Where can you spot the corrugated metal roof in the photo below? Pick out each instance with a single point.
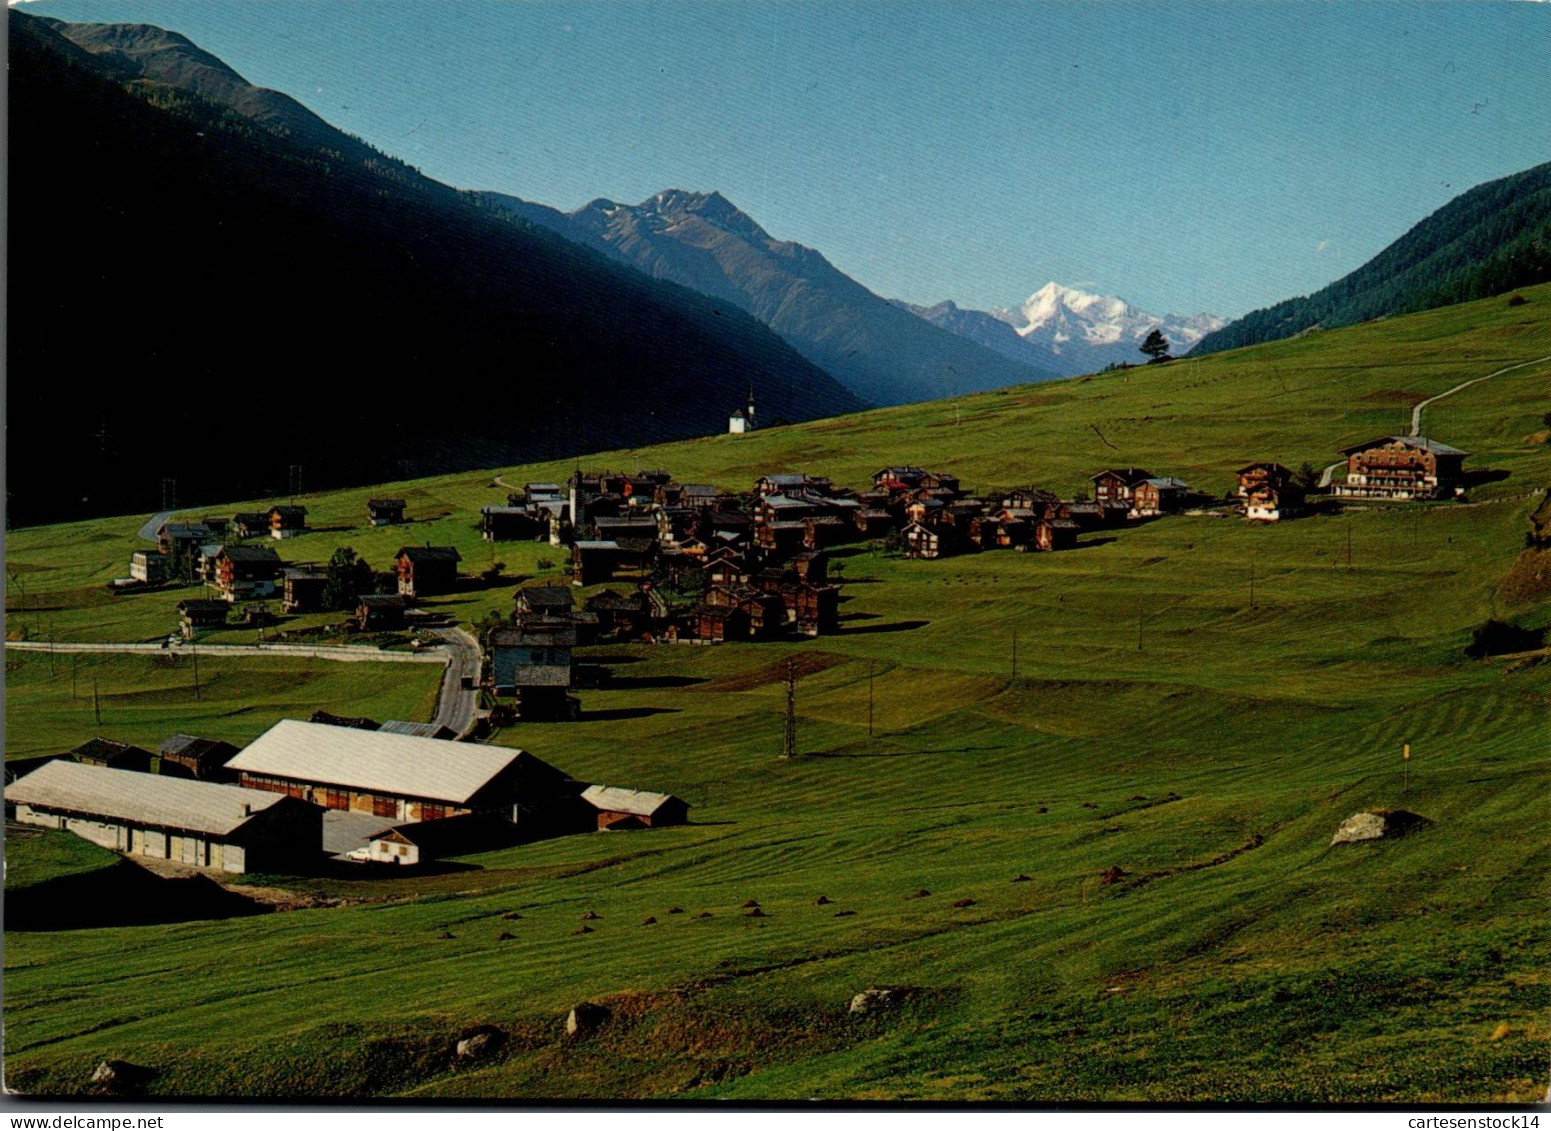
(393, 764)
(144, 799)
(618, 800)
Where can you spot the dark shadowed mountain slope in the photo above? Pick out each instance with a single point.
(203, 291)
(879, 350)
(1486, 241)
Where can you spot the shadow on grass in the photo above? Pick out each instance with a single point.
(893, 626)
(120, 896)
(611, 714)
(644, 682)
(1482, 476)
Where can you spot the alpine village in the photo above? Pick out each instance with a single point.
(1082, 734)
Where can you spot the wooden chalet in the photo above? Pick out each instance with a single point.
(205, 562)
(189, 756)
(814, 608)
(781, 539)
(197, 613)
(927, 542)
(895, 479)
(942, 481)
(717, 623)
(111, 754)
(511, 524)
(1118, 483)
(251, 524)
(219, 525)
(385, 512)
(182, 536)
(766, 614)
(1269, 491)
(426, 571)
(1055, 534)
(287, 522)
(246, 572)
(792, 482)
(1402, 468)
(302, 588)
(619, 614)
(543, 601)
(531, 662)
(983, 532)
(618, 809)
(380, 612)
(1159, 495)
(872, 522)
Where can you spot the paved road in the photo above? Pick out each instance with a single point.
(1416, 413)
(454, 705)
(152, 529)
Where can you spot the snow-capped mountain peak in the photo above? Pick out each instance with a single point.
(1088, 331)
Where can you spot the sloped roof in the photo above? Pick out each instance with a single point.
(1169, 482)
(386, 504)
(618, 800)
(145, 799)
(1422, 443)
(545, 596)
(393, 764)
(262, 554)
(1130, 475)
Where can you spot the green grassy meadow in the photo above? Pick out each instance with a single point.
(1165, 767)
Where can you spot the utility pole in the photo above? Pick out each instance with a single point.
(96, 703)
(1349, 542)
(1405, 762)
(169, 494)
(296, 482)
(789, 738)
(1139, 626)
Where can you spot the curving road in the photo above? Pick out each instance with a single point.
(1416, 413)
(455, 705)
(151, 531)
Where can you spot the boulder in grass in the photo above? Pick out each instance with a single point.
(1380, 824)
(877, 999)
(585, 1019)
(478, 1043)
(121, 1076)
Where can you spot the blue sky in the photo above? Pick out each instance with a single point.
(1187, 156)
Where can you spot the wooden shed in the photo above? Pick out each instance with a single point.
(618, 809)
(385, 512)
(189, 756)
